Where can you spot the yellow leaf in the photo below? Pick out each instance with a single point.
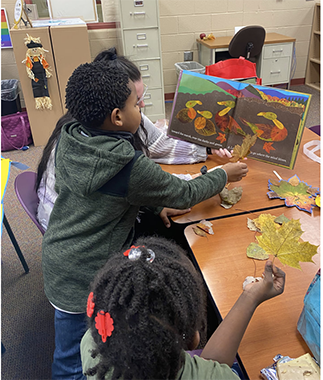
(261, 220)
(318, 201)
(192, 103)
(206, 114)
(284, 244)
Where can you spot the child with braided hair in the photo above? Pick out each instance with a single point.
(146, 307)
(102, 181)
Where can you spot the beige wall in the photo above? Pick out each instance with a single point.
(182, 21)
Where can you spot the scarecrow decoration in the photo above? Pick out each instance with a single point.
(38, 71)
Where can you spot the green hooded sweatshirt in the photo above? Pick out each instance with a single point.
(101, 183)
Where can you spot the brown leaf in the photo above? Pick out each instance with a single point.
(312, 190)
(275, 182)
(205, 226)
(242, 151)
(199, 232)
(294, 181)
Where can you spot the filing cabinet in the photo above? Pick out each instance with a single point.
(139, 37)
(274, 64)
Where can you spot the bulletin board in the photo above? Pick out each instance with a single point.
(5, 34)
(84, 9)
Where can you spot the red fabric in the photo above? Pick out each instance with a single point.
(235, 68)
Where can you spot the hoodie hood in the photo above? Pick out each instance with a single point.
(98, 155)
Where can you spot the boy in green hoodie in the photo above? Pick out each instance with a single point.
(102, 181)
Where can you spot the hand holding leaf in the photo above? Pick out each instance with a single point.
(281, 242)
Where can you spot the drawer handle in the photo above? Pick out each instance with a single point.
(148, 104)
(277, 51)
(275, 72)
(141, 36)
(146, 76)
(143, 67)
(142, 45)
(138, 13)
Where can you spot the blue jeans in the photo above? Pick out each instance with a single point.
(69, 330)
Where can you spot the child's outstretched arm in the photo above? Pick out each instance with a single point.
(223, 344)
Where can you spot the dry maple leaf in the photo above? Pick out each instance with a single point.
(284, 244)
(242, 151)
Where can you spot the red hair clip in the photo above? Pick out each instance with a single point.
(90, 305)
(126, 253)
(104, 324)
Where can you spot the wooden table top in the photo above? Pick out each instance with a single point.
(224, 264)
(255, 184)
(223, 42)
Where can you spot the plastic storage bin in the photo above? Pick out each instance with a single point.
(189, 65)
(10, 99)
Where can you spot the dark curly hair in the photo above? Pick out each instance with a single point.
(157, 307)
(94, 90)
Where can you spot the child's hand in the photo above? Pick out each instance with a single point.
(166, 212)
(222, 152)
(235, 171)
(270, 286)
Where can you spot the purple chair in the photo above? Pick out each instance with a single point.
(316, 129)
(27, 195)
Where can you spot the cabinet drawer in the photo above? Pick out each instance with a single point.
(150, 71)
(275, 70)
(141, 43)
(139, 13)
(154, 102)
(277, 51)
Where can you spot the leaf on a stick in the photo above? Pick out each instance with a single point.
(284, 244)
(242, 151)
(254, 251)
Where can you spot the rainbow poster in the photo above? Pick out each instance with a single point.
(5, 35)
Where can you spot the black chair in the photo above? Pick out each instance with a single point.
(247, 42)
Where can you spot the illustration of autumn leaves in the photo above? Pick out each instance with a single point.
(205, 124)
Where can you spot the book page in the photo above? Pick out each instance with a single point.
(202, 110)
(219, 113)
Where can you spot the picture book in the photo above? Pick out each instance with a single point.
(218, 113)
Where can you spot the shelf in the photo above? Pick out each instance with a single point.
(312, 77)
(317, 86)
(315, 60)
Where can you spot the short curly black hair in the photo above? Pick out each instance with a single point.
(157, 307)
(93, 91)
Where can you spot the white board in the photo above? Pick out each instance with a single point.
(84, 9)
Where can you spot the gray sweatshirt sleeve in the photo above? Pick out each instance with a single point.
(150, 186)
(167, 150)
